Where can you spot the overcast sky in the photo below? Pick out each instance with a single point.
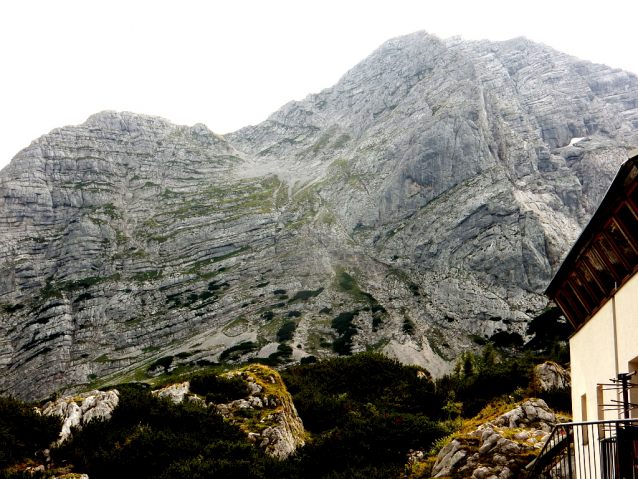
(231, 63)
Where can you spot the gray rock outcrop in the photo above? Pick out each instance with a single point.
(499, 449)
(550, 375)
(447, 178)
(281, 431)
(78, 410)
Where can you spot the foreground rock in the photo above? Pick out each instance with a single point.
(274, 424)
(550, 375)
(499, 449)
(79, 409)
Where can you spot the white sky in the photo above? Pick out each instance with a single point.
(231, 63)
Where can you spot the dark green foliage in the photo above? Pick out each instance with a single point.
(163, 437)
(346, 281)
(408, 326)
(367, 410)
(164, 362)
(326, 392)
(193, 297)
(215, 286)
(241, 349)
(206, 294)
(325, 310)
(279, 291)
(294, 314)
(83, 297)
(268, 315)
(305, 295)
(261, 285)
(283, 353)
(376, 321)
(183, 355)
(559, 399)
(377, 308)
(546, 328)
(343, 325)
(23, 431)
(505, 339)
(12, 309)
(479, 379)
(478, 340)
(286, 331)
(218, 389)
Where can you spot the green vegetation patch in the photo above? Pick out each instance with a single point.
(305, 295)
(286, 331)
(234, 352)
(344, 327)
(23, 431)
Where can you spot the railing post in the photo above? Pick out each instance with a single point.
(569, 454)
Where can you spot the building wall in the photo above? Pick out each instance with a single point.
(592, 352)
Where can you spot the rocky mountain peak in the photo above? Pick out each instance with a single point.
(417, 207)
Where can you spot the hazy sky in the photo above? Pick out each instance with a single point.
(231, 63)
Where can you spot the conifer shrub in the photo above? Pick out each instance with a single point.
(325, 392)
(164, 362)
(218, 389)
(305, 295)
(344, 327)
(238, 350)
(286, 331)
(23, 431)
(150, 436)
(408, 326)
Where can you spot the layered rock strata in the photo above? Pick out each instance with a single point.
(446, 178)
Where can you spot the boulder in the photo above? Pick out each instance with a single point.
(550, 375)
(496, 449)
(93, 404)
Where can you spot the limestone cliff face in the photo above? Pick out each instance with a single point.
(446, 177)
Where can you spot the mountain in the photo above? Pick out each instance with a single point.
(417, 207)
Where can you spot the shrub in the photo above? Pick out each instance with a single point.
(23, 431)
(305, 295)
(286, 331)
(241, 348)
(218, 389)
(343, 325)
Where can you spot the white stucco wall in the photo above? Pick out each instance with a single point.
(593, 354)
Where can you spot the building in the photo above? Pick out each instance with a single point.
(596, 287)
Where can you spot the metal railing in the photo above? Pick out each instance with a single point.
(589, 450)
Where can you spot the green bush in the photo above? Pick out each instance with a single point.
(343, 325)
(23, 431)
(218, 389)
(286, 331)
(305, 295)
(241, 349)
